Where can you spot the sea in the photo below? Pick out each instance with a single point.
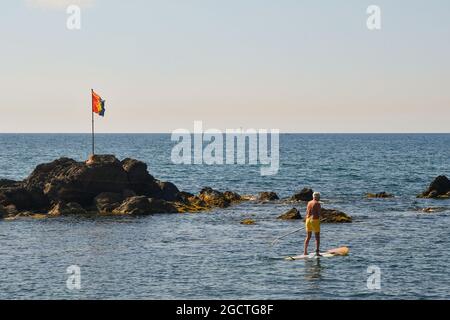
(397, 251)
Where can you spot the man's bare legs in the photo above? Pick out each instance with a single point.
(308, 237)
(317, 237)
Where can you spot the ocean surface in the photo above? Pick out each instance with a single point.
(211, 255)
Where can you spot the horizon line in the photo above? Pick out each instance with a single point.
(286, 132)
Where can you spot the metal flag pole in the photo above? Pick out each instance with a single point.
(92, 114)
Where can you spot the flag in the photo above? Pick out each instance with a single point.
(98, 104)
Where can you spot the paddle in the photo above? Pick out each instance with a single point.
(285, 235)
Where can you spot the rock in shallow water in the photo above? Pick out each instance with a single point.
(433, 209)
(268, 196)
(248, 221)
(306, 194)
(439, 188)
(70, 181)
(292, 214)
(379, 195)
(101, 184)
(326, 216)
(334, 216)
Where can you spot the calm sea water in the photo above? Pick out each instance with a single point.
(210, 255)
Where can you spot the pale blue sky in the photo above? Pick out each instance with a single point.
(299, 66)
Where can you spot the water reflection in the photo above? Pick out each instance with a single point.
(313, 269)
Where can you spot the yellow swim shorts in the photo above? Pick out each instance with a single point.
(312, 225)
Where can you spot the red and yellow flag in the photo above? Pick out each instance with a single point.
(98, 104)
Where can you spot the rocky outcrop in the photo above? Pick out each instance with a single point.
(439, 188)
(334, 216)
(70, 181)
(382, 194)
(306, 194)
(105, 185)
(292, 214)
(267, 196)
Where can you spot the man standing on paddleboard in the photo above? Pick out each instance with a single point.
(312, 222)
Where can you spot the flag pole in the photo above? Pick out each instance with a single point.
(92, 115)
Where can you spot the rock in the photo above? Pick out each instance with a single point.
(207, 198)
(11, 210)
(334, 216)
(106, 185)
(379, 195)
(433, 209)
(292, 214)
(3, 212)
(140, 181)
(17, 196)
(186, 197)
(267, 196)
(232, 197)
(23, 198)
(306, 194)
(249, 197)
(7, 183)
(45, 172)
(248, 221)
(70, 181)
(127, 193)
(169, 191)
(38, 199)
(70, 208)
(439, 188)
(213, 198)
(102, 159)
(108, 201)
(162, 206)
(139, 205)
(191, 203)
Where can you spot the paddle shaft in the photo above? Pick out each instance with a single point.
(285, 235)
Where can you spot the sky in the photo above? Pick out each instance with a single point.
(292, 65)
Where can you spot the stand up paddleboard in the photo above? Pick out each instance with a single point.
(342, 251)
